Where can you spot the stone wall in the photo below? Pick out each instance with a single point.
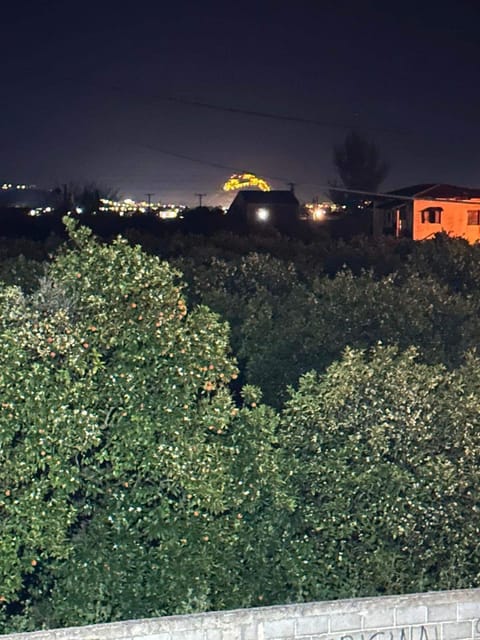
(446, 615)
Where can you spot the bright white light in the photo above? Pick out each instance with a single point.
(168, 213)
(263, 214)
(79, 209)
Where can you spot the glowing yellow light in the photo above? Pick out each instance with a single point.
(317, 211)
(244, 181)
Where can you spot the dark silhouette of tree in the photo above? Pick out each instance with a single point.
(86, 196)
(359, 166)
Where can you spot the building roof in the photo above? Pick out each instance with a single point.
(427, 191)
(267, 197)
(412, 190)
(432, 190)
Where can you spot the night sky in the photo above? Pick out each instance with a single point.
(99, 91)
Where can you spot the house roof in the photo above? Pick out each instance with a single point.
(432, 190)
(427, 191)
(267, 197)
(412, 190)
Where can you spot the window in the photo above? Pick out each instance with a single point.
(433, 215)
(473, 216)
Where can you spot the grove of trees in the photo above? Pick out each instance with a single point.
(210, 423)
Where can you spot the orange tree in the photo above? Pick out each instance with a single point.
(387, 452)
(285, 324)
(131, 484)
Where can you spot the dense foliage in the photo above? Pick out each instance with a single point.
(140, 472)
(286, 320)
(131, 482)
(387, 453)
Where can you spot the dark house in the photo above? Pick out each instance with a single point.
(265, 208)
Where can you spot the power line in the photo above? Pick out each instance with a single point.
(323, 187)
(378, 194)
(182, 156)
(215, 165)
(273, 116)
(215, 107)
(253, 112)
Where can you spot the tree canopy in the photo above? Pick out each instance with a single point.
(126, 468)
(387, 452)
(358, 165)
(142, 474)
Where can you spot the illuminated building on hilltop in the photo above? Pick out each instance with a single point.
(239, 181)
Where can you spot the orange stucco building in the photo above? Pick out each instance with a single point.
(421, 211)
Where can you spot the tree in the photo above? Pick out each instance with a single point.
(386, 453)
(270, 312)
(86, 196)
(359, 167)
(127, 473)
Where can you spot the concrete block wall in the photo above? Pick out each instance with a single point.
(445, 615)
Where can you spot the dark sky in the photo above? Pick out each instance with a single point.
(87, 89)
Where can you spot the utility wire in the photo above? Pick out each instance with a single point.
(323, 187)
(273, 116)
(215, 165)
(252, 112)
(75, 79)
